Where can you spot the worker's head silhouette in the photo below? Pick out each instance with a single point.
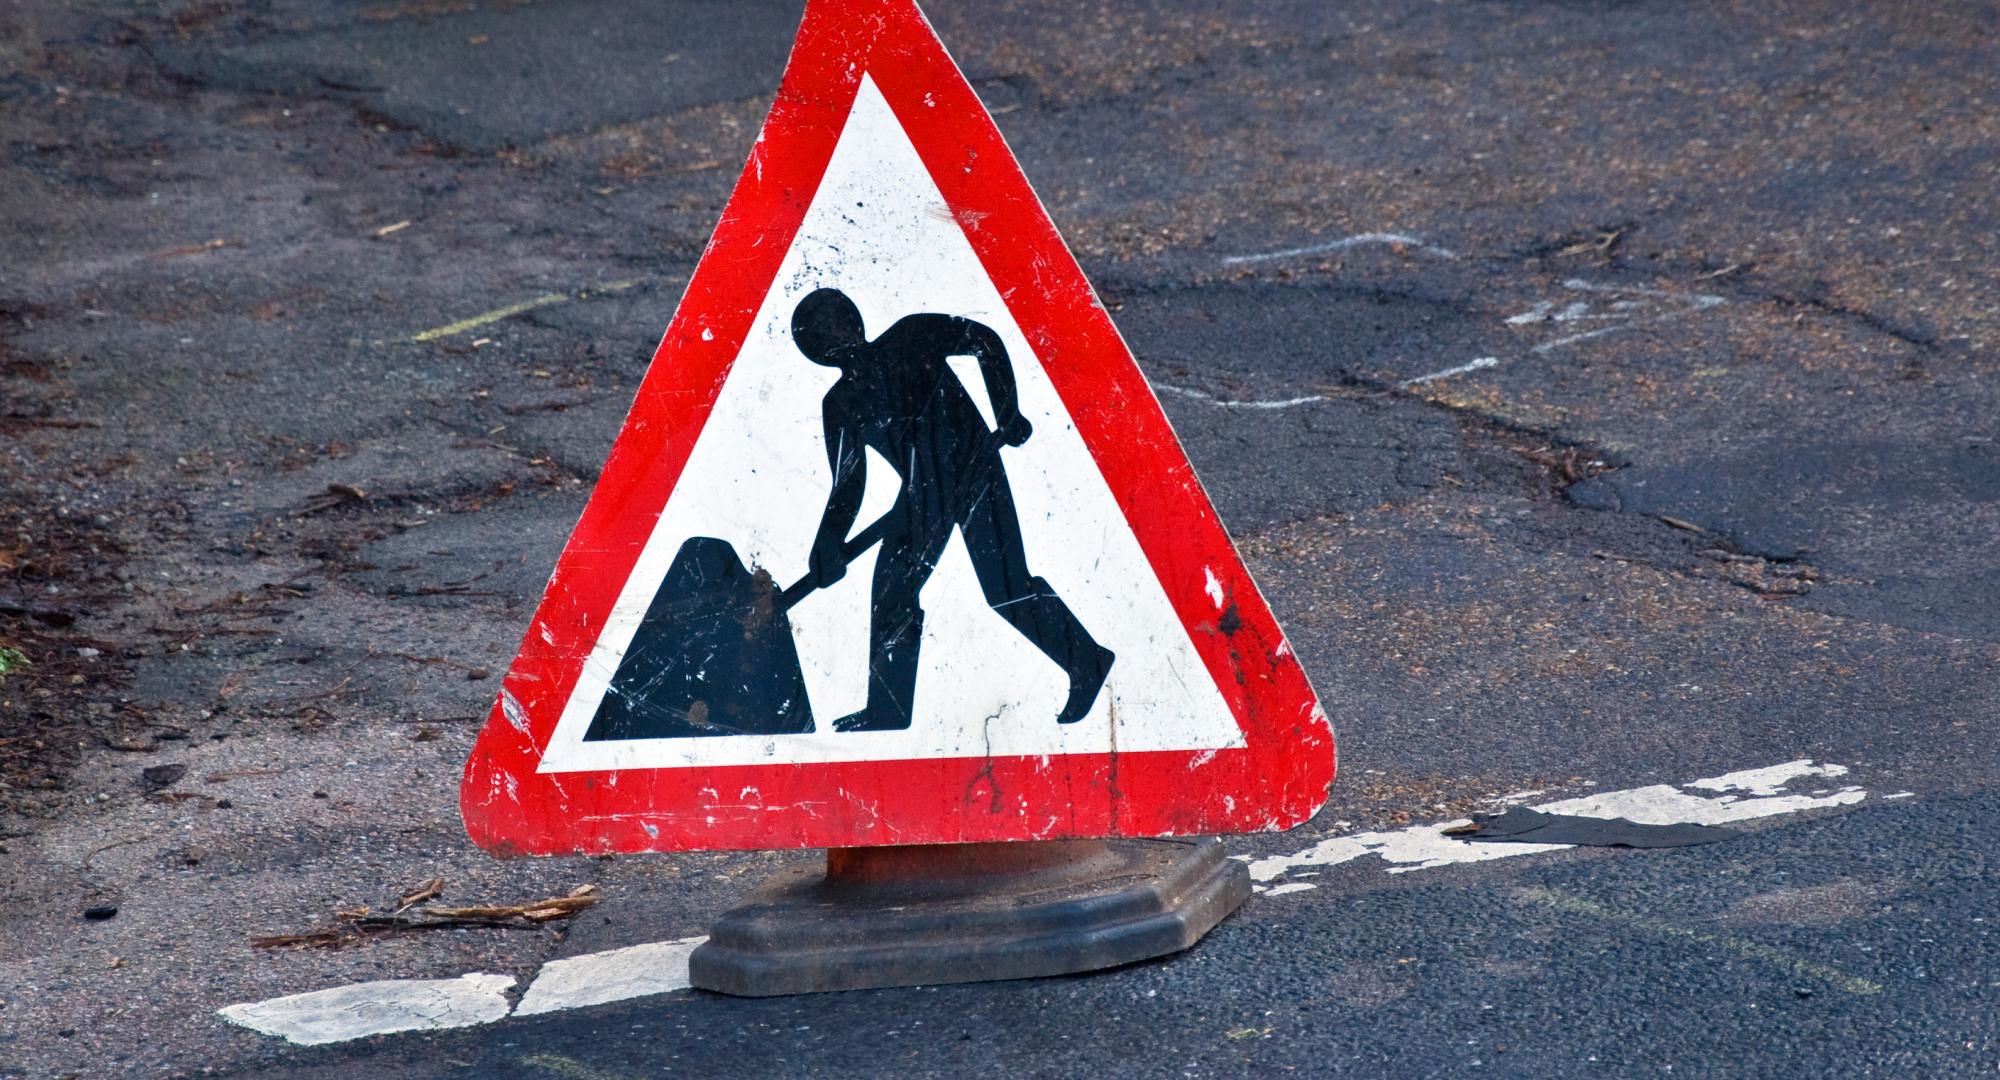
(827, 326)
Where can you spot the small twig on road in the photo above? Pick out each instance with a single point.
(360, 925)
(63, 423)
(191, 249)
(1602, 245)
(338, 689)
(429, 890)
(101, 849)
(335, 495)
(239, 774)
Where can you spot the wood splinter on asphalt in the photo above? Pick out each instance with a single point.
(429, 890)
(360, 923)
(335, 495)
(191, 249)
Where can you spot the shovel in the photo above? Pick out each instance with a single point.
(714, 654)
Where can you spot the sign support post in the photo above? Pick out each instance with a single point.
(949, 913)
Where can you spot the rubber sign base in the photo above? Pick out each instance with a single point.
(951, 913)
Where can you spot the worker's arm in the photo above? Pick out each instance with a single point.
(979, 341)
(850, 476)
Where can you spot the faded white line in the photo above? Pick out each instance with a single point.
(1359, 239)
(1228, 403)
(1425, 847)
(376, 1008)
(1768, 781)
(1626, 314)
(1480, 364)
(1664, 804)
(1419, 847)
(599, 978)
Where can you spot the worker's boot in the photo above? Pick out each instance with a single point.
(1045, 620)
(1085, 680)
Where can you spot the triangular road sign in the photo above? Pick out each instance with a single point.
(896, 545)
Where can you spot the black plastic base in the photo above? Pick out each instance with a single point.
(968, 913)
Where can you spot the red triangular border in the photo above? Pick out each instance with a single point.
(1278, 780)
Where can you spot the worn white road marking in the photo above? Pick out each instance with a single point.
(1663, 804)
(1419, 847)
(1228, 403)
(1424, 847)
(375, 1008)
(1480, 364)
(1768, 781)
(1359, 239)
(1625, 314)
(598, 978)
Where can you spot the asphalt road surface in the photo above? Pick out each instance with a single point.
(1604, 396)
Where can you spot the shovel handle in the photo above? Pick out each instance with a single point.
(850, 551)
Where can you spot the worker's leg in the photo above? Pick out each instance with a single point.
(1028, 603)
(895, 631)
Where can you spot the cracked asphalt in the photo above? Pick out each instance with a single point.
(1600, 393)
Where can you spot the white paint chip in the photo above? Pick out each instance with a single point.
(598, 978)
(510, 707)
(377, 1008)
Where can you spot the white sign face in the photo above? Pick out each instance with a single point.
(759, 479)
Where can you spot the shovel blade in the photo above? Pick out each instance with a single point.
(713, 656)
